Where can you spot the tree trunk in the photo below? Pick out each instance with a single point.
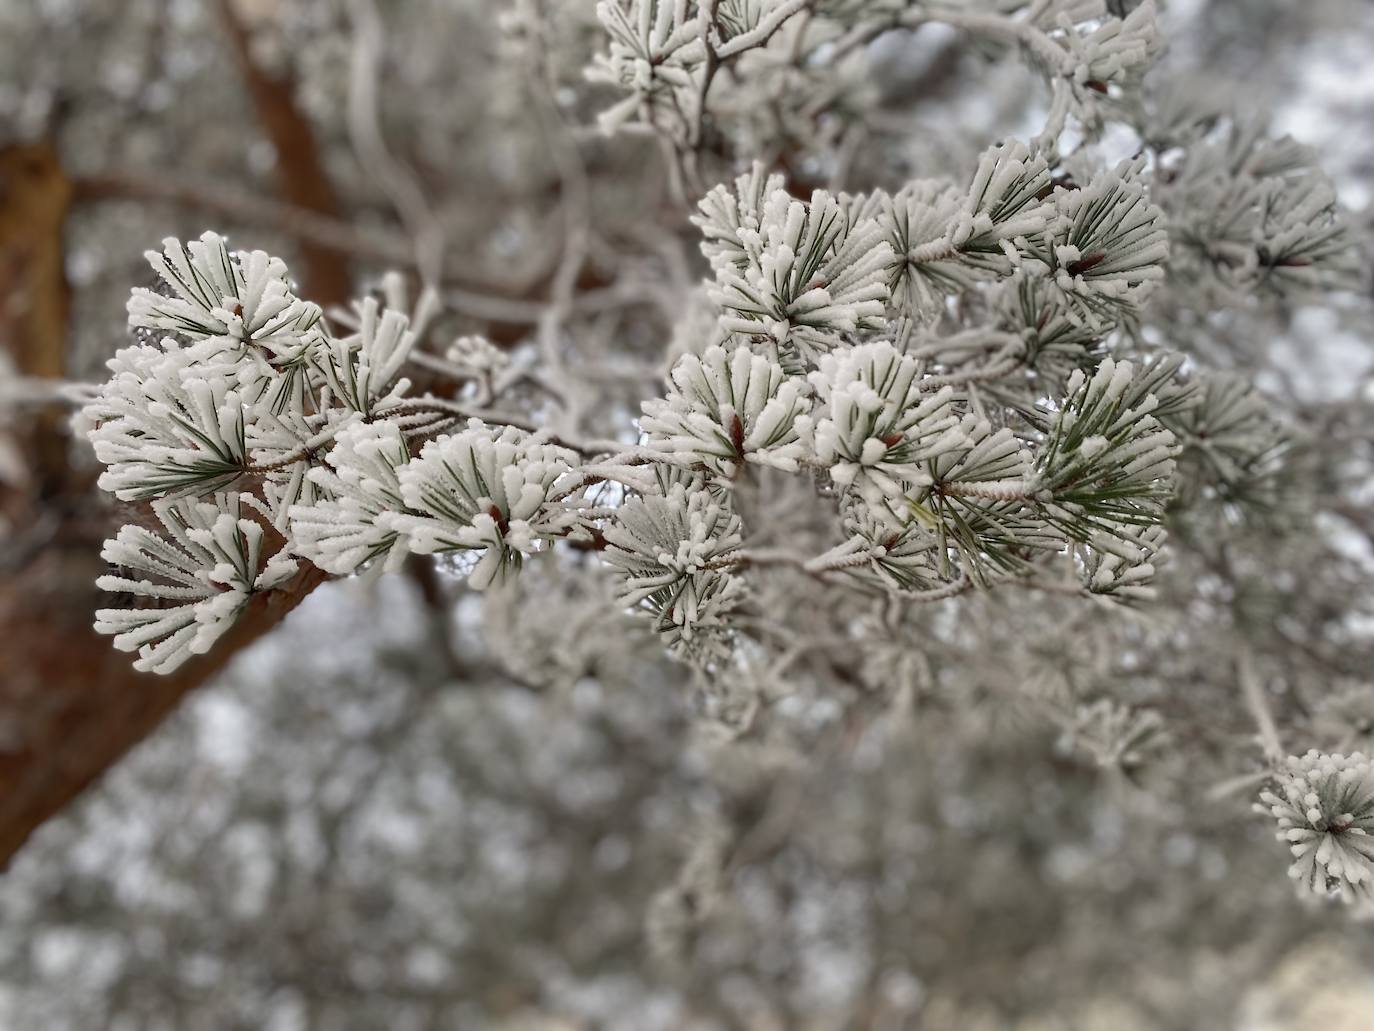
(70, 704)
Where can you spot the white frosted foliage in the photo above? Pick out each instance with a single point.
(190, 584)
(487, 490)
(671, 556)
(343, 530)
(726, 408)
(875, 426)
(1106, 456)
(216, 294)
(806, 276)
(166, 425)
(362, 369)
(1324, 805)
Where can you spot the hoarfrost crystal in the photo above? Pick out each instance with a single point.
(1324, 805)
(195, 579)
(487, 490)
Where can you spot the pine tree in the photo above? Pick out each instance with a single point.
(850, 440)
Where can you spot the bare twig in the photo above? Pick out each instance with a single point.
(365, 130)
(1257, 700)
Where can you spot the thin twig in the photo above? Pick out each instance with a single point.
(1257, 700)
(401, 185)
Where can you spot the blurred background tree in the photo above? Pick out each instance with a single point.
(408, 807)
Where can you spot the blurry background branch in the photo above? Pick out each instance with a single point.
(301, 174)
(408, 808)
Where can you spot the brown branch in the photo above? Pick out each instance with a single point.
(300, 171)
(34, 302)
(324, 232)
(70, 704)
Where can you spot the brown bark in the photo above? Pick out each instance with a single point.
(34, 301)
(301, 176)
(70, 704)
